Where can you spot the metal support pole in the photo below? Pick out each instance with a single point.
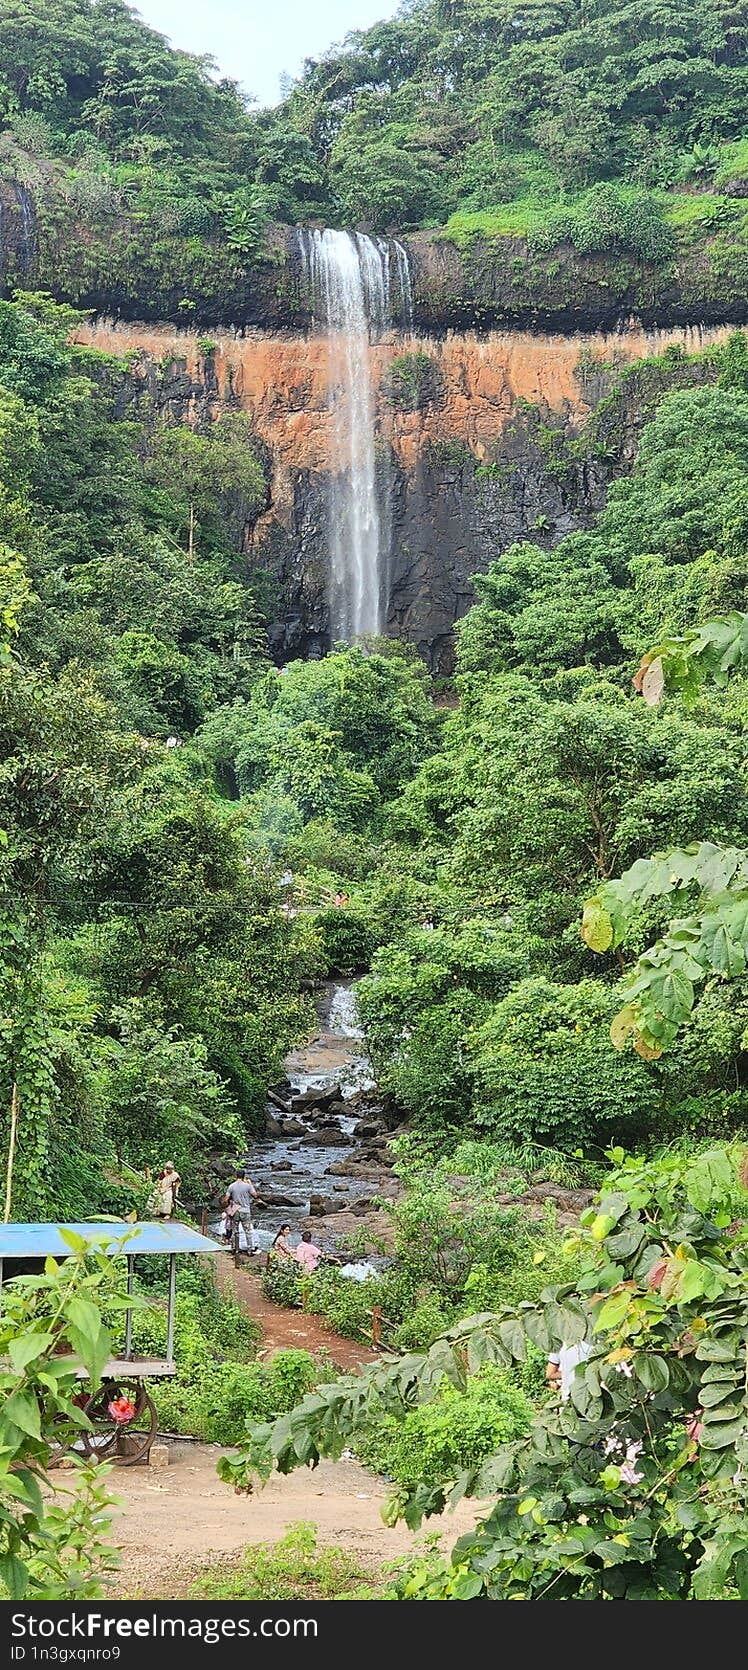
(128, 1323)
(172, 1300)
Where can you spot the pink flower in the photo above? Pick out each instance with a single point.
(634, 1450)
(629, 1474)
(122, 1410)
(612, 1445)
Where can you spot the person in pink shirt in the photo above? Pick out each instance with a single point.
(307, 1255)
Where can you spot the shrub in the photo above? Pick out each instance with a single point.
(413, 382)
(421, 1325)
(291, 1569)
(545, 1072)
(347, 941)
(439, 1440)
(346, 1304)
(216, 1403)
(441, 1233)
(281, 1282)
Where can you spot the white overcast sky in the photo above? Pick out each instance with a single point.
(256, 41)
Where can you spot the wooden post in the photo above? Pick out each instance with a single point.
(204, 1220)
(376, 1324)
(11, 1153)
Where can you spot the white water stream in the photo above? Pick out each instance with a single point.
(350, 284)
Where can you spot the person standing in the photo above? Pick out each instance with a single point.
(238, 1200)
(164, 1197)
(562, 1366)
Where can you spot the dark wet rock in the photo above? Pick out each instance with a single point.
(281, 1165)
(368, 1128)
(569, 1200)
(320, 1205)
(316, 1098)
(293, 1128)
(223, 1168)
(326, 1137)
(273, 1127)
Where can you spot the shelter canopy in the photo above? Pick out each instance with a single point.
(43, 1240)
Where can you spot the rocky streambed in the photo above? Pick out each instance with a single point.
(326, 1155)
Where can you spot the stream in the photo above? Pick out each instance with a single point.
(327, 1090)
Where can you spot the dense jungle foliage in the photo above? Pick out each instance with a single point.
(546, 861)
(159, 777)
(612, 126)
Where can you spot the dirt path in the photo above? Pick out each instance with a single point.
(287, 1329)
(172, 1523)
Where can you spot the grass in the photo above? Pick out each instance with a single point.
(692, 215)
(500, 220)
(734, 163)
(293, 1569)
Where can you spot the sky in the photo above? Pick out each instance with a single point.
(257, 41)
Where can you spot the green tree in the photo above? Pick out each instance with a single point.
(635, 1487)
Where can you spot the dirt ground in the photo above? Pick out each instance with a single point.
(171, 1523)
(175, 1521)
(285, 1330)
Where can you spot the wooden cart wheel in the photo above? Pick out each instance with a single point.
(111, 1440)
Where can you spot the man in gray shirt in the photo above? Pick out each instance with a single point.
(239, 1197)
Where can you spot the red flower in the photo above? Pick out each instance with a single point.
(122, 1410)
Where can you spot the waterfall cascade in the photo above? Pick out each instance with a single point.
(26, 241)
(350, 282)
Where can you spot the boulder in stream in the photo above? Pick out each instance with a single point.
(327, 1136)
(317, 1098)
(369, 1128)
(320, 1205)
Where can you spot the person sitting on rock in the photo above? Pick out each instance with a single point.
(281, 1247)
(307, 1254)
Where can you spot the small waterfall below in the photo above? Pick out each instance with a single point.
(350, 282)
(26, 242)
(405, 286)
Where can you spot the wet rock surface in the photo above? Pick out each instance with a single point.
(325, 1163)
(500, 455)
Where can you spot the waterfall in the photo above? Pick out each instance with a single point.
(27, 238)
(404, 285)
(349, 278)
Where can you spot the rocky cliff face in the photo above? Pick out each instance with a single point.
(119, 265)
(481, 440)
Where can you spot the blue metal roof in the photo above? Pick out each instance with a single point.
(41, 1240)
